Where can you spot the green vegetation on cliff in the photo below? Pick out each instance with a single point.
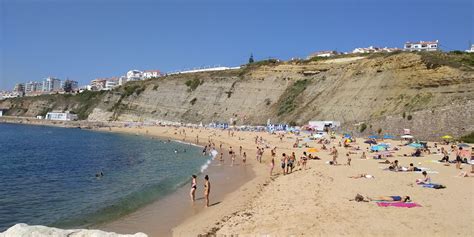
(288, 101)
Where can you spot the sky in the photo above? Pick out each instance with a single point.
(87, 39)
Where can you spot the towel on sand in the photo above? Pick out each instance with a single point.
(398, 204)
(435, 186)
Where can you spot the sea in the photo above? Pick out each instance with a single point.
(52, 176)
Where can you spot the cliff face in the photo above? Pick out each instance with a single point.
(404, 89)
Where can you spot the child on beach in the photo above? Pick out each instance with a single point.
(348, 159)
(244, 158)
(283, 163)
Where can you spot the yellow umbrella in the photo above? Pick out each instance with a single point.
(312, 150)
(447, 137)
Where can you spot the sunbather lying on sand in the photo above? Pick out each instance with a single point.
(360, 198)
(367, 176)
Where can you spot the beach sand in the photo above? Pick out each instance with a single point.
(314, 202)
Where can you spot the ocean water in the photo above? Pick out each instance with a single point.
(48, 174)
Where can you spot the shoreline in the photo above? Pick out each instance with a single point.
(221, 191)
(228, 195)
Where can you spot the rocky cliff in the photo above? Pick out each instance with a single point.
(385, 91)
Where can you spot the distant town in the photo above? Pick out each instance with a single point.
(53, 85)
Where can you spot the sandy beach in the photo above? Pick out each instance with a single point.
(316, 201)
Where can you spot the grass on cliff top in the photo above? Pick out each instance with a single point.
(455, 59)
(288, 101)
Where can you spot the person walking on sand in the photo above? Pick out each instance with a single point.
(272, 165)
(348, 159)
(207, 189)
(244, 158)
(240, 151)
(192, 193)
(283, 163)
(221, 158)
(291, 161)
(334, 155)
(304, 160)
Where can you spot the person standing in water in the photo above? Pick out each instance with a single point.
(192, 193)
(207, 189)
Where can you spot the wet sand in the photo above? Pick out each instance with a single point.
(160, 217)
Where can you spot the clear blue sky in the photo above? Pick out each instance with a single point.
(83, 40)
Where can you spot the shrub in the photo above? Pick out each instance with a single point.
(379, 131)
(409, 117)
(193, 84)
(404, 115)
(362, 127)
(469, 138)
(193, 101)
(155, 87)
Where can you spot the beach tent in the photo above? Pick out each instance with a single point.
(463, 145)
(406, 136)
(374, 137)
(447, 137)
(377, 148)
(388, 136)
(416, 145)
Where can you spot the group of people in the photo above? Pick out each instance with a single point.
(207, 189)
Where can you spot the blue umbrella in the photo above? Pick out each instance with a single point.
(374, 137)
(388, 136)
(416, 145)
(347, 135)
(463, 145)
(384, 145)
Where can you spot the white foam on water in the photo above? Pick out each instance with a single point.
(205, 166)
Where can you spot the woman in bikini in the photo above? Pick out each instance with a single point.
(207, 189)
(192, 193)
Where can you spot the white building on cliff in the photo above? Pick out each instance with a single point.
(422, 46)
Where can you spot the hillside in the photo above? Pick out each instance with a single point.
(385, 91)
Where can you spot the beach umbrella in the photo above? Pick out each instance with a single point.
(447, 137)
(463, 145)
(370, 142)
(374, 137)
(416, 145)
(347, 135)
(384, 145)
(388, 136)
(406, 136)
(312, 150)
